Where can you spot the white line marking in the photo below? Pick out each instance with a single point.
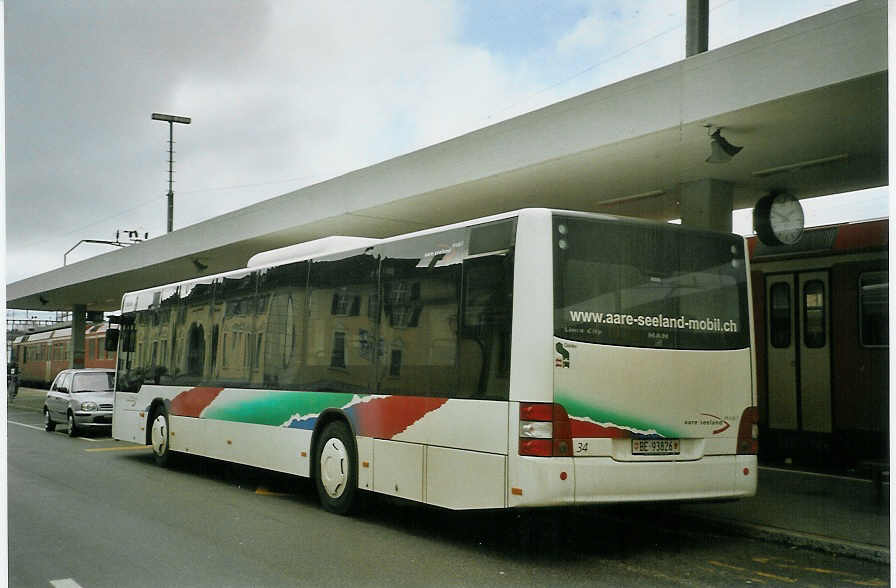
(24, 425)
(66, 583)
(36, 428)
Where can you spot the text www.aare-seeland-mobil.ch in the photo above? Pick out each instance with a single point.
(708, 325)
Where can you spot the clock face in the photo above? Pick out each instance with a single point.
(785, 218)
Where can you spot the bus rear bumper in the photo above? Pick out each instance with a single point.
(718, 476)
(597, 480)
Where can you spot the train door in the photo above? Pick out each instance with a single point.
(799, 351)
(48, 374)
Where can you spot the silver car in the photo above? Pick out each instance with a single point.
(82, 398)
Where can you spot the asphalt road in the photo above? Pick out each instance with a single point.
(98, 512)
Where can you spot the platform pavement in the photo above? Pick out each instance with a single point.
(837, 514)
(833, 513)
(29, 399)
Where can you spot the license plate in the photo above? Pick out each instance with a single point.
(655, 446)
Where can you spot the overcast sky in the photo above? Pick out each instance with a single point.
(285, 94)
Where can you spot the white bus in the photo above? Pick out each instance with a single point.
(533, 358)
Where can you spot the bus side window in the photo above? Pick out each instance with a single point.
(337, 356)
(280, 326)
(233, 324)
(485, 327)
(419, 299)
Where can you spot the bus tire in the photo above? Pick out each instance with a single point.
(159, 436)
(49, 425)
(72, 428)
(336, 469)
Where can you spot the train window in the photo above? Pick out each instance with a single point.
(873, 315)
(813, 314)
(779, 315)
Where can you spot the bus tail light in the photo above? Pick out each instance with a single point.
(748, 432)
(544, 430)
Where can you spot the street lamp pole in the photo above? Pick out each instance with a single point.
(171, 119)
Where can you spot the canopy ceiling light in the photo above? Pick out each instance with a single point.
(722, 150)
(799, 165)
(640, 196)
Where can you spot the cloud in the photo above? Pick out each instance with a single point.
(276, 92)
(282, 94)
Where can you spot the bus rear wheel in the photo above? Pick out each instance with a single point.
(336, 469)
(159, 436)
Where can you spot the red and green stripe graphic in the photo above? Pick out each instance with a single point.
(382, 417)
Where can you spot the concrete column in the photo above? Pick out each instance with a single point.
(697, 27)
(707, 204)
(79, 323)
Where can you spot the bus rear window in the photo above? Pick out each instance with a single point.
(643, 285)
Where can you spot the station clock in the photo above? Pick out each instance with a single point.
(778, 219)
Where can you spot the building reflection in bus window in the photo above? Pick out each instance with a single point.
(420, 284)
(279, 308)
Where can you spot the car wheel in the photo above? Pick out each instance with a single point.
(72, 428)
(49, 425)
(159, 435)
(336, 469)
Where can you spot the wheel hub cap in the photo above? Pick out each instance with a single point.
(159, 435)
(334, 467)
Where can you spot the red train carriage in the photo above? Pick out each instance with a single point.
(43, 354)
(821, 344)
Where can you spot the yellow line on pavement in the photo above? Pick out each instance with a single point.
(729, 566)
(873, 582)
(751, 574)
(265, 492)
(126, 448)
(776, 577)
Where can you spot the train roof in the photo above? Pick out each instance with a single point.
(59, 331)
(870, 235)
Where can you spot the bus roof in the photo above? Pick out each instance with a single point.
(342, 243)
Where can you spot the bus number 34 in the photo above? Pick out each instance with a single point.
(581, 447)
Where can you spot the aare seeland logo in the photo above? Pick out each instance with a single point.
(711, 420)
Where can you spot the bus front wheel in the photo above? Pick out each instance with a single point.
(336, 469)
(159, 435)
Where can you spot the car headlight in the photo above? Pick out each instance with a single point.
(88, 406)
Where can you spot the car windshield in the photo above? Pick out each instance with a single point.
(93, 382)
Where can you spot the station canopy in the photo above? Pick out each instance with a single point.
(807, 102)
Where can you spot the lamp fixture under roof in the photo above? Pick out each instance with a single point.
(721, 150)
